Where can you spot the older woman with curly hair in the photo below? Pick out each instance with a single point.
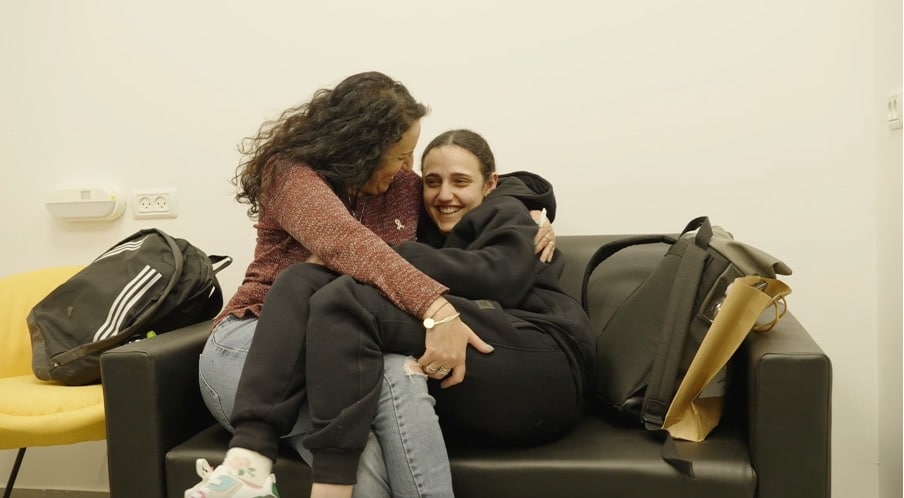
(328, 182)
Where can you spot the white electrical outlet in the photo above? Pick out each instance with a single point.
(155, 203)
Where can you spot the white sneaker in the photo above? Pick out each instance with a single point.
(222, 482)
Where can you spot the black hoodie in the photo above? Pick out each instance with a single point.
(489, 255)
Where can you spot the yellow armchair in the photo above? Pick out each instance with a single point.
(35, 412)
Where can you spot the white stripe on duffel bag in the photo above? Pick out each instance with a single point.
(130, 294)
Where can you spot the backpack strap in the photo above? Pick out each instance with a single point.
(674, 332)
(215, 301)
(673, 455)
(219, 262)
(678, 312)
(607, 250)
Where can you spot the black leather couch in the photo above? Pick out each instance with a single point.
(773, 442)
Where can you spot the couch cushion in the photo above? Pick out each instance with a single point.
(596, 459)
(599, 458)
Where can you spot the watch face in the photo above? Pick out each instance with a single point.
(429, 323)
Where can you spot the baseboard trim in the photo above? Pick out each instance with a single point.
(55, 493)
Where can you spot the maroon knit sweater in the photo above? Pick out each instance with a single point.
(302, 215)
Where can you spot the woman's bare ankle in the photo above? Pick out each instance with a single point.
(324, 490)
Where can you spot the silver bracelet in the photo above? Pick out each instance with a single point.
(429, 323)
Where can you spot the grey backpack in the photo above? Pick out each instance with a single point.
(148, 283)
(649, 333)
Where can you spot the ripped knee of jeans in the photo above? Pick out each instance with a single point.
(412, 367)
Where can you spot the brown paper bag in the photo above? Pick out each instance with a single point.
(751, 303)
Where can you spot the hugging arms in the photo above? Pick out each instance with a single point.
(540, 336)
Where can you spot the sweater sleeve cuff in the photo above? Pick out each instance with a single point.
(335, 467)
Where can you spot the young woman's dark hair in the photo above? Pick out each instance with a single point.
(341, 133)
(469, 141)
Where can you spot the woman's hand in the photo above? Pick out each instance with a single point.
(445, 346)
(545, 240)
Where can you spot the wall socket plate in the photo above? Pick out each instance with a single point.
(155, 203)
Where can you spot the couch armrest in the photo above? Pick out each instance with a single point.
(790, 412)
(153, 403)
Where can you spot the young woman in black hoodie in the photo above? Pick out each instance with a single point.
(526, 391)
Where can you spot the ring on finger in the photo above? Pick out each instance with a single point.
(431, 370)
(442, 370)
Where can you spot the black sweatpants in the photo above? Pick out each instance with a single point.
(271, 388)
(521, 393)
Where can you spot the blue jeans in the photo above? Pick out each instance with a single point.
(405, 455)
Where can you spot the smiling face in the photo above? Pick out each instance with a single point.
(398, 156)
(454, 183)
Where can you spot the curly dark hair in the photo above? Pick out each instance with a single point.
(341, 133)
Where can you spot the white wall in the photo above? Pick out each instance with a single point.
(889, 214)
(768, 116)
